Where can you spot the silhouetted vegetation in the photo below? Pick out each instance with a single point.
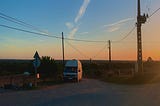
(149, 59)
(98, 69)
(123, 72)
(52, 71)
(49, 69)
(11, 68)
(93, 70)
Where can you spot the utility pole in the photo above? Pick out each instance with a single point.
(109, 51)
(63, 49)
(140, 20)
(109, 55)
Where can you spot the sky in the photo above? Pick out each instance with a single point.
(99, 20)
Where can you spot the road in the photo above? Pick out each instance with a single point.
(88, 92)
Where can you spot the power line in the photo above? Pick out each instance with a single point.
(134, 28)
(12, 19)
(22, 30)
(76, 49)
(154, 12)
(125, 35)
(96, 41)
(99, 51)
(17, 21)
(49, 35)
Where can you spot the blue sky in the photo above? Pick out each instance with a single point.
(78, 19)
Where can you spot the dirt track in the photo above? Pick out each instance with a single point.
(89, 92)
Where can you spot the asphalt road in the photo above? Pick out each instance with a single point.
(88, 92)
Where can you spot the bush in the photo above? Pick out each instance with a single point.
(48, 68)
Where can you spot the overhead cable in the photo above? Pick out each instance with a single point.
(125, 35)
(17, 21)
(76, 49)
(37, 33)
(49, 35)
(99, 51)
(154, 12)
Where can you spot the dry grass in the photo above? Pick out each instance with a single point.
(145, 78)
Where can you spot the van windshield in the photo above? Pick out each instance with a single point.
(71, 69)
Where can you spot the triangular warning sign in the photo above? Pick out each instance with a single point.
(36, 55)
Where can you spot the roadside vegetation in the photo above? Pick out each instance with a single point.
(124, 72)
(119, 72)
(12, 72)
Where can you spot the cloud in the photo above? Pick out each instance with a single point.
(82, 10)
(46, 32)
(73, 31)
(69, 25)
(113, 29)
(83, 33)
(74, 26)
(119, 22)
(117, 25)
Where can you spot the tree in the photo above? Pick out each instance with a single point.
(149, 59)
(48, 68)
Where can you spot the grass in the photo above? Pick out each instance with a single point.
(146, 78)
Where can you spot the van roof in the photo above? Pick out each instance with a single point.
(72, 63)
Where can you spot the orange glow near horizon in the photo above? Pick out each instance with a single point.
(15, 45)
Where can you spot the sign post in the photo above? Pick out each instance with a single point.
(36, 64)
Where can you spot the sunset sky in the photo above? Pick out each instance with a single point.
(99, 20)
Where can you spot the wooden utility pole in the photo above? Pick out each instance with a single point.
(140, 20)
(109, 55)
(109, 51)
(63, 49)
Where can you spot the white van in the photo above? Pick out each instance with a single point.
(73, 70)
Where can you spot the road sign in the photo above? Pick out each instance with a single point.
(36, 55)
(36, 61)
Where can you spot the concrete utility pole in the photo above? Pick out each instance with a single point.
(140, 20)
(63, 49)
